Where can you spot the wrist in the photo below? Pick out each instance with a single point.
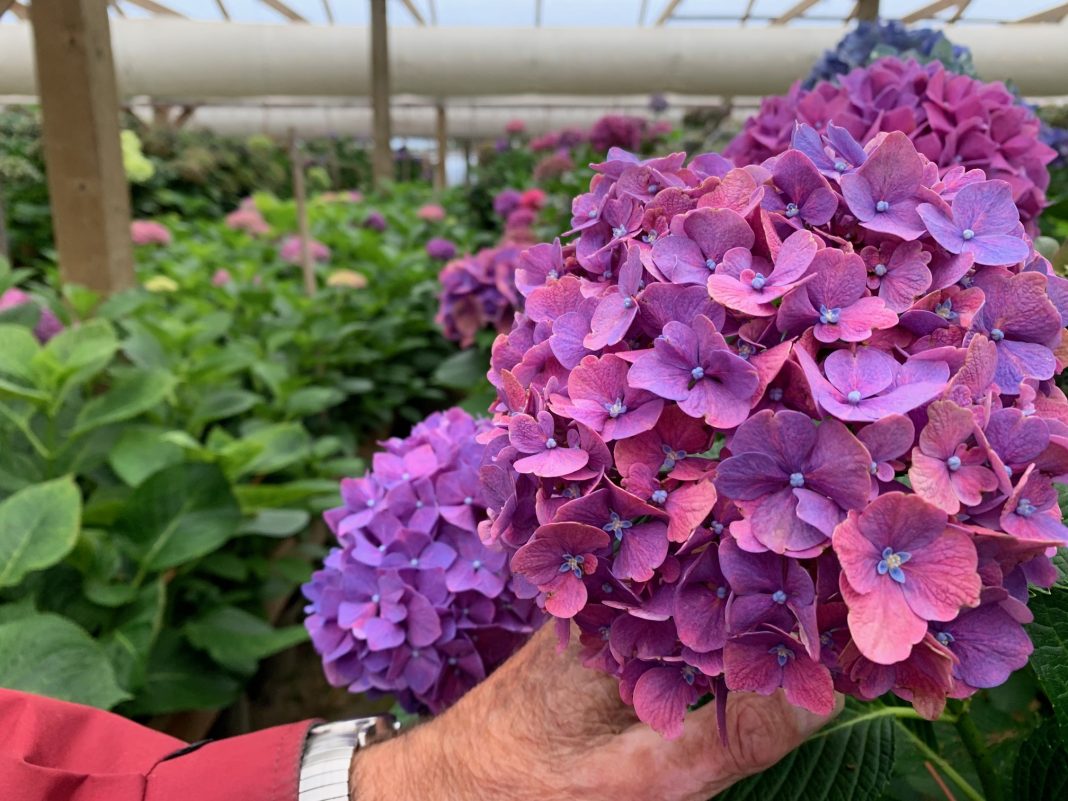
(415, 765)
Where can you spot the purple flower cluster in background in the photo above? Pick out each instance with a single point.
(411, 602)
(790, 424)
(953, 120)
(48, 325)
(478, 292)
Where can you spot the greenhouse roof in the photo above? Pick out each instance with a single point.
(588, 13)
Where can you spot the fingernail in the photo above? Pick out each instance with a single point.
(809, 722)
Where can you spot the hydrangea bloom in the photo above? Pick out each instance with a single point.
(48, 325)
(149, 232)
(873, 40)
(246, 217)
(785, 425)
(478, 292)
(374, 221)
(431, 212)
(440, 249)
(409, 601)
(289, 250)
(958, 122)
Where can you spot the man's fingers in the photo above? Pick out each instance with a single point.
(760, 731)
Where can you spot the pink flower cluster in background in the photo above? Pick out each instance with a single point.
(289, 250)
(787, 425)
(149, 232)
(953, 120)
(246, 217)
(411, 602)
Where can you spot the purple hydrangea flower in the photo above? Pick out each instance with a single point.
(425, 613)
(440, 249)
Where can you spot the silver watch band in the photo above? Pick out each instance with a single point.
(324, 770)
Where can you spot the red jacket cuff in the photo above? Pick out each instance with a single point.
(263, 766)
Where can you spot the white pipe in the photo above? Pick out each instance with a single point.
(464, 122)
(196, 60)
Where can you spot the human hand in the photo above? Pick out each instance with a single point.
(545, 728)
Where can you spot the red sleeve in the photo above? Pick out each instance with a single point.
(55, 751)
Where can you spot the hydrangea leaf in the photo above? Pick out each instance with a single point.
(49, 655)
(851, 760)
(238, 640)
(1039, 772)
(177, 679)
(38, 527)
(1049, 633)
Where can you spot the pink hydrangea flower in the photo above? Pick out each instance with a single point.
(149, 232)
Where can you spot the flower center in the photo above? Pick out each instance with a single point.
(688, 674)
(953, 463)
(710, 264)
(370, 503)
(414, 561)
(775, 394)
(873, 468)
(721, 592)
(697, 373)
(476, 564)
(671, 457)
(967, 234)
(782, 654)
(619, 231)
(550, 443)
(829, 316)
(840, 166)
(853, 397)
(553, 274)
(758, 281)
(659, 496)
(792, 210)
(572, 564)
(628, 302)
(617, 525)
(880, 270)
(945, 637)
(717, 528)
(797, 480)
(616, 408)
(653, 188)
(778, 597)
(882, 206)
(591, 213)
(945, 310)
(1025, 508)
(997, 334)
(891, 563)
(405, 476)
(376, 598)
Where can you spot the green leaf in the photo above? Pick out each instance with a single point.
(49, 655)
(38, 527)
(463, 370)
(277, 522)
(79, 352)
(17, 349)
(1039, 773)
(221, 404)
(1049, 633)
(142, 451)
(238, 639)
(851, 760)
(177, 679)
(266, 450)
(129, 643)
(133, 393)
(312, 400)
(178, 514)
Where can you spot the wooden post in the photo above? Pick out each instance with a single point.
(867, 10)
(5, 246)
(467, 162)
(383, 153)
(90, 198)
(443, 147)
(300, 195)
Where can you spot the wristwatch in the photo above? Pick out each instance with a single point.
(328, 750)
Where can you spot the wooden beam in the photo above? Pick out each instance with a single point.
(748, 12)
(669, 9)
(961, 8)
(15, 8)
(794, 11)
(1055, 14)
(929, 10)
(408, 4)
(641, 12)
(433, 6)
(155, 8)
(223, 10)
(537, 13)
(442, 130)
(89, 196)
(118, 9)
(328, 10)
(285, 10)
(382, 157)
(300, 195)
(866, 10)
